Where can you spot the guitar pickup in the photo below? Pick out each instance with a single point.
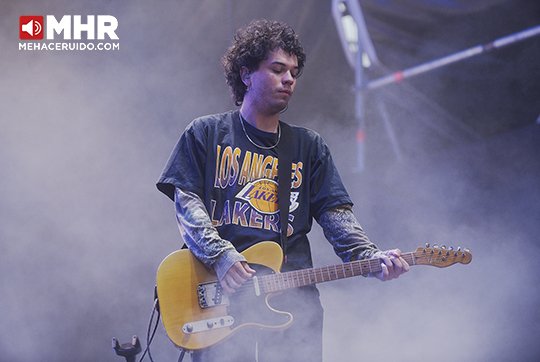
(211, 294)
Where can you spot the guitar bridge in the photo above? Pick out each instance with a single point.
(211, 294)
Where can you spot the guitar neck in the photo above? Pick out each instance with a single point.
(299, 278)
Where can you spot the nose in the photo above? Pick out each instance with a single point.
(288, 78)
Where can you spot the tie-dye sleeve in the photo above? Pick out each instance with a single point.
(201, 236)
(344, 232)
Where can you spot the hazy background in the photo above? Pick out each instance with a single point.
(84, 136)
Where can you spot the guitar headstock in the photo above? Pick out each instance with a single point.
(441, 256)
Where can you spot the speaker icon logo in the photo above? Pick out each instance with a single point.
(31, 27)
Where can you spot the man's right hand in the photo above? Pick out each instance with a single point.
(236, 276)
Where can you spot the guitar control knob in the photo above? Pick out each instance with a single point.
(189, 328)
(209, 324)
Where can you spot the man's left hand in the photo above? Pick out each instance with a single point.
(393, 265)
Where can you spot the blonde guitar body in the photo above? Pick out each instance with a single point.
(179, 280)
(197, 313)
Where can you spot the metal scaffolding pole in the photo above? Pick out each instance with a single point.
(399, 76)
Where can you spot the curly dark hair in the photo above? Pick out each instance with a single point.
(251, 45)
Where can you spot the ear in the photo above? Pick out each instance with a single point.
(244, 75)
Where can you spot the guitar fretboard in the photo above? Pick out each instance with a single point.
(299, 278)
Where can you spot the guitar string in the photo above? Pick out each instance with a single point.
(312, 275)
(297, 278)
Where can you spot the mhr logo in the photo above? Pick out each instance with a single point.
(31, 27)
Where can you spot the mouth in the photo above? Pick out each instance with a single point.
(286, 91)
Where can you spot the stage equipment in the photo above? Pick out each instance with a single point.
(361, 55)
(127, 350)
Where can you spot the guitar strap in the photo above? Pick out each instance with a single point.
(284, 188)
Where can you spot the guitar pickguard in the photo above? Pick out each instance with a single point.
(248, 305)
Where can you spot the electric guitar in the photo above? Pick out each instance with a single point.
(197, 313)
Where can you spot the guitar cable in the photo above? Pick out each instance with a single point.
(150, 336)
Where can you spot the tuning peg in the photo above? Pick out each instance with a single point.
(427, 245)
(459, 248)
(451, 247)
(467, 250)
(443, 246)
(435, 246)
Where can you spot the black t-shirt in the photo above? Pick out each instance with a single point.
(216, 158)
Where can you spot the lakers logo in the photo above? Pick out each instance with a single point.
(262, 195)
